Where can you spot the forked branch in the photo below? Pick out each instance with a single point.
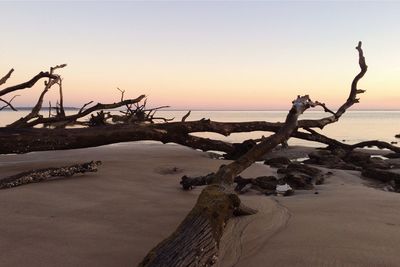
(28, 84)
(351, 100)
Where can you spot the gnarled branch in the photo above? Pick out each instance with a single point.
(6, 77)
(8, 103)
(28, 84)
(23, 122)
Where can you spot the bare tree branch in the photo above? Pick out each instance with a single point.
(22, 122)
(6, 77)
(332, 143)
(186, 116)
(74, 117)
(352, 99)
(27, 84)
(61, 111)
(8, 103)
(83, 107)
(122, 93)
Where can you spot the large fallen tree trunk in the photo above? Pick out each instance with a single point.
(41, 139)
(136, 123)
(195, 242)
(34, 139)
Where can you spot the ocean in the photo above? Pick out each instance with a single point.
(353, 126)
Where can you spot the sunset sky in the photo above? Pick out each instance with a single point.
(205, 55)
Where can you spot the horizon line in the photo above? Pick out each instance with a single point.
(201, 109)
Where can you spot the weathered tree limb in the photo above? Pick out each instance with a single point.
(27, 84)
(378, 144)
(332, 143)
(81, 114)
(35, 110)
(84, 106)
(186, 116)
(223, 128)
(6, 77)
(61, 111)
(22, 122)
(150, 114)
(351, 100)
(8, 103)
(122, 93)
(39, 175)
(227, 173)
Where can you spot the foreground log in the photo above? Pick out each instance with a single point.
(196, 241)
(39, 175)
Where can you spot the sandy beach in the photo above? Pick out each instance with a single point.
(115, 216)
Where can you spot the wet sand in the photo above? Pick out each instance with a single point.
(115, 216)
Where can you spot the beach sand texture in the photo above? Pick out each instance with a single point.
(114, 217)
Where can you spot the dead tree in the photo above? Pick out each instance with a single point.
(196, 240)
(136, 122)
(139, 114)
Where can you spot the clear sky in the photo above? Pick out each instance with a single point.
(205, 55)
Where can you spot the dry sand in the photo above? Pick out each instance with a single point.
(113, 217)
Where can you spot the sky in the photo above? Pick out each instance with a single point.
(205, 54)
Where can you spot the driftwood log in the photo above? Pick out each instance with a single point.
(39, 175)
(195, 242)
(23, 140)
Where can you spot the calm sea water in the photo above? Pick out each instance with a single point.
(354, 126)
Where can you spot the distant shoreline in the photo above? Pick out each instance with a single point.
(44, 108)
(226, 110)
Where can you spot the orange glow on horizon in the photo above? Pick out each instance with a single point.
(170, 53)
